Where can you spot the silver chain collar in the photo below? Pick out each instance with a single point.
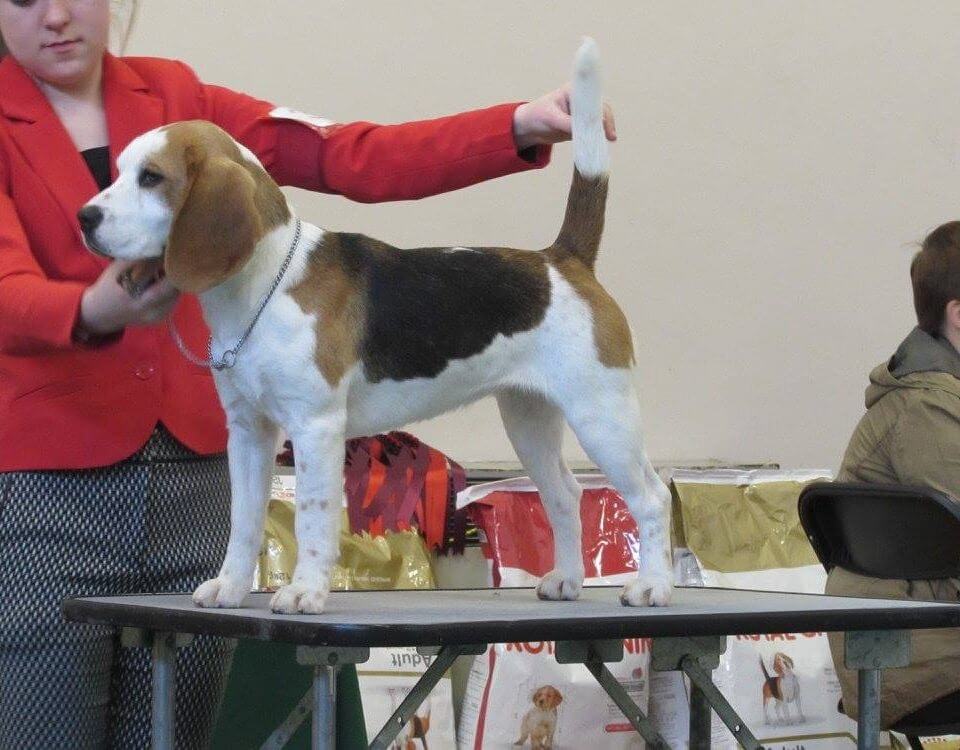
(229, 358)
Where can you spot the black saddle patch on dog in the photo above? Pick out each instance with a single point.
(428, 306)
(774, 685)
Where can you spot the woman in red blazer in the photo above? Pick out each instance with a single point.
(112, 472)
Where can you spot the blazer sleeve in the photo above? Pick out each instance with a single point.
(368, 162)
(924, 444)
(37, 314)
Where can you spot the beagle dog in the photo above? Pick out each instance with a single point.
(783, 688)
(328, 335)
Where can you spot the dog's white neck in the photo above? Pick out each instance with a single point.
(230, 306)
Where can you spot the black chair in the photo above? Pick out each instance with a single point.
(889, 531)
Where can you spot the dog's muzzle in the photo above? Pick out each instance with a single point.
(90, 217)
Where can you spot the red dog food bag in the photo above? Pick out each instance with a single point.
(517, 694)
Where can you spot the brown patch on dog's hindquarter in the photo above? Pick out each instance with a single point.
(611, 333)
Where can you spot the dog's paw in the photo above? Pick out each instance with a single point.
(555, 586)
(299, 598)
(647, 591)
(220, 592)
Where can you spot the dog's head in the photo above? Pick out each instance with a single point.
(782, 663)
(190, 195)
(547, 697)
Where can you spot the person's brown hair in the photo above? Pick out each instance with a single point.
(935, 273)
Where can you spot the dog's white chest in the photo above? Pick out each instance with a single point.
(275, 371)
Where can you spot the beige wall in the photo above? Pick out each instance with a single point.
(776, 163)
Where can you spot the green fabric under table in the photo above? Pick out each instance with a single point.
(265, 685)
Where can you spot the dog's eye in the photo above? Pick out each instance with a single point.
(149, 178)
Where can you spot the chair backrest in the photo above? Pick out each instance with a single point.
(883, 530)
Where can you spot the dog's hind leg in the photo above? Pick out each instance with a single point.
(535, 428)
(605, 416)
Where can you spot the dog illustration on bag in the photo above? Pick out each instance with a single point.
(540, 722)
(782, 687)
(416, 729)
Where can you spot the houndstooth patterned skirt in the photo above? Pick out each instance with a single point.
(157, 522)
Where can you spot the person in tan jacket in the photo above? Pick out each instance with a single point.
(911, 435)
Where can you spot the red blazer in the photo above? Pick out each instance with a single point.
(63, 406)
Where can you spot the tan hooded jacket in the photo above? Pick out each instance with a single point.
(909, 435)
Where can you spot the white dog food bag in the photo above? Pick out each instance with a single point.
(385, 681)
(744, 530)
(517, 694)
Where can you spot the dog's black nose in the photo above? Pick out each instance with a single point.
(90, 218)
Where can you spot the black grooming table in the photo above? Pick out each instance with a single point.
(462, 622)
(440, 618)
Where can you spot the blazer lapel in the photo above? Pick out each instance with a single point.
(45, 143)
(131, 109)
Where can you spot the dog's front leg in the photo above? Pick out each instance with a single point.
(319, 448)
(251, 449)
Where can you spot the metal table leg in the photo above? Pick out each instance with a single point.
(868, 718)
(593, 655)
(324, 732)
(164, 689)
(700, 679)
(697, 657)
(869, 652)
(163, 648)
(325, 662)
(700, 720)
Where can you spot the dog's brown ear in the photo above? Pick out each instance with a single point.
(557, 698)
(216, 228)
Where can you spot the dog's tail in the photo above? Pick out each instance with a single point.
(766, 674)
(583, 224)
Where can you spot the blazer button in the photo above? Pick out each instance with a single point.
(145, 372)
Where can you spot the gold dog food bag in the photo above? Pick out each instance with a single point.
(744, 532)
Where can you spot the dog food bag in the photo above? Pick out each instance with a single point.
(394, 560)
(385, 681)
(745, 533)
(946, 742)
(517, 694)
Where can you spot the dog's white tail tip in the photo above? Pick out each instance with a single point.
(590, 153)
(587, 57)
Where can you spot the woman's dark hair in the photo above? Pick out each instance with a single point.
(3, 48)
(935, 273)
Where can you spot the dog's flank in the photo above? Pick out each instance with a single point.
(416, 310)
